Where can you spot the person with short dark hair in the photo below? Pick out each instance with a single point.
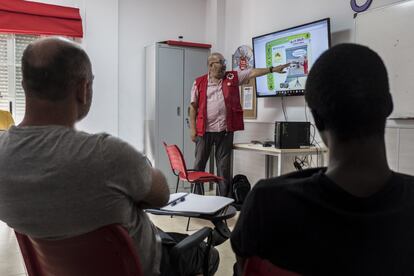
(353, 217)
(57, 182)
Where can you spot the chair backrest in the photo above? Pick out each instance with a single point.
(176, 158)
(106, 251)
(259, 267)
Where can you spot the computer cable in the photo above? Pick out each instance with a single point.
(306, 112)
(283, 109)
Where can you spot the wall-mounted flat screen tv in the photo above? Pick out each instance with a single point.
(300, 46)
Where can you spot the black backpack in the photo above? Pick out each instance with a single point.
(241, 187)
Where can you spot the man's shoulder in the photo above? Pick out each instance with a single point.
(404, 177)
(231, 74)
(285, 191)
(82, 135)
(406, 181)
(290, 181)
(52, 133)
(108, 144)
(201, 78)
(113, 143)
(98, 136)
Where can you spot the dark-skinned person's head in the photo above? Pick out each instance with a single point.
(348, 93)
(57, 70)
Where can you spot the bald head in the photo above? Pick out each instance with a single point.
(53, 68)
(216, 65)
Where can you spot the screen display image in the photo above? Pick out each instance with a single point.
(300, 46)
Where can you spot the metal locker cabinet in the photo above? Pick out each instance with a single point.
(170, 73)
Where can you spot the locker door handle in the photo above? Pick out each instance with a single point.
(188, 122)
(178, 111)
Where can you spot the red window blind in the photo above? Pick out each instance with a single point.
(24, 17)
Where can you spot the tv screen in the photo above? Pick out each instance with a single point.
(300, 46)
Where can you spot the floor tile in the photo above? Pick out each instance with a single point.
(11, 261)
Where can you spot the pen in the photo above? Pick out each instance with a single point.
(180, 199)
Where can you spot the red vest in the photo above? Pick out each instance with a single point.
(231, 93)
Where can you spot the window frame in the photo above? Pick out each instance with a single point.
(12, 66)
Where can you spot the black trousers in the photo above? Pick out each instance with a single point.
(190, 262)
(223, 142)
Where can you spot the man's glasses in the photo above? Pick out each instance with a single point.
(221, 61)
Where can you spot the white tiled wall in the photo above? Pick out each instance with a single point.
(392, 144)
(404, 152)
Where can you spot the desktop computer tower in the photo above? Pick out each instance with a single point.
(292, 135)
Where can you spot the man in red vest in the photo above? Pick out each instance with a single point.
(215, 113)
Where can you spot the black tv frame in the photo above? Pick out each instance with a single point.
(328, 19)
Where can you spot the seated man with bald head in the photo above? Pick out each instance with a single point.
(57, 182)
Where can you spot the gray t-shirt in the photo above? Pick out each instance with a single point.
(56, 182)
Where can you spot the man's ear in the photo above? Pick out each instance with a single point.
(82, 92)
(320, 125)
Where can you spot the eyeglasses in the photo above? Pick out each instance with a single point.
(221, 61)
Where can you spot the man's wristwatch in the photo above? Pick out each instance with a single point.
(271, 69)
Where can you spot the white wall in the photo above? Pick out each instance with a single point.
(100, 25)
(142, 23)
(244, 19)
(116, 32)
(215, 18)
(101, 43)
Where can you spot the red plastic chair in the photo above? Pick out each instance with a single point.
(179, 168)
(258, 267)
(106, 251)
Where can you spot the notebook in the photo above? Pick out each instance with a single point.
(193, 203)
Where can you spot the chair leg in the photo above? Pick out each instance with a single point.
(192, 191)
(188, 224)
(178, 182)
(218, 188)
(197, 188)
(202, 188)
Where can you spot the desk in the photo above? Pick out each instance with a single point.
(221, 232)
(225, 213)
(271, 152)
